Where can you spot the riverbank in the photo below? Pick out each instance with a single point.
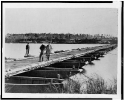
(89, 86)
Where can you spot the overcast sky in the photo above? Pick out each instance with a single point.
(62, 20)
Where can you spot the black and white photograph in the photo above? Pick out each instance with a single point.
(61, 50)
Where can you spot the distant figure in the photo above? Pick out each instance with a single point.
(27, 49)
(42, 48)
(48, 50)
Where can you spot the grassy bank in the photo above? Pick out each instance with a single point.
(92, 86)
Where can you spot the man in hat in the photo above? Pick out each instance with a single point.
(27, 49)
(42, 48)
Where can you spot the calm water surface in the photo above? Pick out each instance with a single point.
(106, 67)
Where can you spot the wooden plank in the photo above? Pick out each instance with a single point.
(31, 88)
(49, 73)
(68, 64)
(31, 80)
(53, 68)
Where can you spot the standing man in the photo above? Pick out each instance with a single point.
(48, 50)
(27, 49)
(42, 48)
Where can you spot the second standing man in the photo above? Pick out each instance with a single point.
(42, 48)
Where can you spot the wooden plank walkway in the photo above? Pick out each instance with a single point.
(24, 65)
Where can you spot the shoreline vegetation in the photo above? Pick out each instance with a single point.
(62, 38)
(92, 86)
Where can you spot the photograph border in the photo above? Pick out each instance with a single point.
(59, 2)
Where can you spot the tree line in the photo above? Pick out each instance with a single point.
(59, 38)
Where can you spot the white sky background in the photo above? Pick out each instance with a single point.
(62, 20)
